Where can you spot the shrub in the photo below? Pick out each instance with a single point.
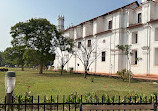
(92, 79)
(125, 74)
(71, 69)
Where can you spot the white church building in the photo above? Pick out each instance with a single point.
(134, 24)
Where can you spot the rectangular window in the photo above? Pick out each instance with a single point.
(134, 57)
(110, 25)
(134, 37)
(89, 43)
(156, 56)
(103, 56)
(156, 34)
(79, 45)
(139, 17)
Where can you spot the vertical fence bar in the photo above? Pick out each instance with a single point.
(5, 104)
(146, 99)
(57, 102)
(81, 104)
(25, 103)
(69, 103)
(119, 100)
(19, 104)
(140, 99)
(102, 100)
(51, 99)
(63, 101)
(124, 100)
(135, 99)
(130, 99)
(113, 99)
(75, 102)
(44, 102)
(32, 103)
(12, 107)
(155, 105)
(151, 99)
(38, 103)
(108, 99)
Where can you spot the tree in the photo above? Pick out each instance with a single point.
(64, 50)
(31, 57)
(2, 60)
(126, 50)
(14, 55)
(87, 54)
(38, 35)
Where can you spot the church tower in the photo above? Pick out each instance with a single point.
(60, 23)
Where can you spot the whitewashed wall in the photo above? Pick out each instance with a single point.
(120, 34)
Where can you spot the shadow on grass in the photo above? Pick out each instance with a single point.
(57, 74)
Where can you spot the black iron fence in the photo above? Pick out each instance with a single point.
(70, 103)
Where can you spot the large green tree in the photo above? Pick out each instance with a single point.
(38, 35)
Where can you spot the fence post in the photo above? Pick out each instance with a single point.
(9, 100)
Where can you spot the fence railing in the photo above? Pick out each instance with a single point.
(71, 103)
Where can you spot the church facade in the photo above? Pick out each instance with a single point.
(134, 24)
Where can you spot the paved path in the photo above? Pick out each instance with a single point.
(139, 77)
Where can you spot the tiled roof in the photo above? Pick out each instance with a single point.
(105, 14)
(138, 7)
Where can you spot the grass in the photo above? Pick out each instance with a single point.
(52, 83)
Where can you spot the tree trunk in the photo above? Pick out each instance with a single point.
(129, 70)
(41, 69)
(22, 67)
(62, 68)
(85, 74)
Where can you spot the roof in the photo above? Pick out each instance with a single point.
(106, 14)
(134, 26)
(138, 7)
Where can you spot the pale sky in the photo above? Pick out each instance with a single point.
(75, 12)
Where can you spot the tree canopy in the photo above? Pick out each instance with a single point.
(14, 55)
(37, 36)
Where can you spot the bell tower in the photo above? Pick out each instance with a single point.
(60, 23)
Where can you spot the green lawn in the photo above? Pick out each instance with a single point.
(51, 83)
